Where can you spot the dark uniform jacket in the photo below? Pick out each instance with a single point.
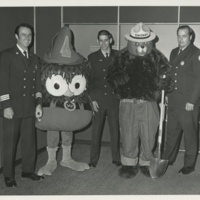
(186, 75)
(20, 82)
(99, 89)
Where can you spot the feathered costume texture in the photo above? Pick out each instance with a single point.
(68, 72)
(140, 77)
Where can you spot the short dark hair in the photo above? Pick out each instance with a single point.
(23, 25)
(104, 32)
(190, 31)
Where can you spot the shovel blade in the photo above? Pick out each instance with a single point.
(157, 168)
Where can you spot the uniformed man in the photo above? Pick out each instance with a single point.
(104, 100)
(20, 97)
(183, 102)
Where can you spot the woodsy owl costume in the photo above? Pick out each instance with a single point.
(64, 79)
(138, 74)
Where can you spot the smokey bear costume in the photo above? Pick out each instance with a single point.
(138, 74)
(65, 75)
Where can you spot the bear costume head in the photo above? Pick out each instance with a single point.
(140, 70)
(140, 40)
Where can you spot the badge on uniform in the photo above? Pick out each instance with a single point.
(182, 63)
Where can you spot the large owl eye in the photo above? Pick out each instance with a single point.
(77, 85)
(56, 85)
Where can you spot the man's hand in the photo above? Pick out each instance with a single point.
(95, 106)
(8, 113)
(38, 112)
(189, 107)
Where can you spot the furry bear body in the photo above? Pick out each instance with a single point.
(138, 74)
(140, 77)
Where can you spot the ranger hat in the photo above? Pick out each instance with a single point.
(140, 33)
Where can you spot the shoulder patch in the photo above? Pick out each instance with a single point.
(199, 57)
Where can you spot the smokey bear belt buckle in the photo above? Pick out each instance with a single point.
(138, 101)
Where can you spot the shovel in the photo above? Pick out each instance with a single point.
(158, 166)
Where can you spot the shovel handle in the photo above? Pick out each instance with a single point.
(161, 124)
(162, 111)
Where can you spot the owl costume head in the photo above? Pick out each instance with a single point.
(64, 75)
(64, 72)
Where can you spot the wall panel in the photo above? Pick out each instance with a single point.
(148, 14)
(10, 17)
(85, 37)
(98, 14)
(48, 23)
(189, 14)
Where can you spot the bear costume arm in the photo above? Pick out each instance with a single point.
(165, 81)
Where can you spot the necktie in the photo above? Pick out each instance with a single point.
(107, 55)
(25, 54)
(180, 50)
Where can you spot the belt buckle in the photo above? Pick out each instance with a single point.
(139, 101)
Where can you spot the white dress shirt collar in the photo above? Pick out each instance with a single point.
(22, 50)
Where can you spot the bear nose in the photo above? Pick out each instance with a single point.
(142, 46)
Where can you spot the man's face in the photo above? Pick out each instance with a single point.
(24, 37)
(183, 37)
(104, 42)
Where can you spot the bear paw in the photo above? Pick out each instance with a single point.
(128, 171)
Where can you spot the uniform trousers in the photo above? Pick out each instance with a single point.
(13, 129)
(97, 131)
(139, 120)
(186, 122)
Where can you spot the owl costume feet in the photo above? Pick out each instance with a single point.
(66, 161)
(51, 164)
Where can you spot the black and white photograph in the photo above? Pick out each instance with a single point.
(100, 99)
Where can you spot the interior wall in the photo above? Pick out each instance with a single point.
(10, 17)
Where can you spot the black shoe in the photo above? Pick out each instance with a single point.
(10, 182)
(117, 163)
(32, 176)
(145, 170)
(170, 163)
(186, 170)
(92, 165)
(128, 171)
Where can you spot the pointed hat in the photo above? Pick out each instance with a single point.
(61, 50)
